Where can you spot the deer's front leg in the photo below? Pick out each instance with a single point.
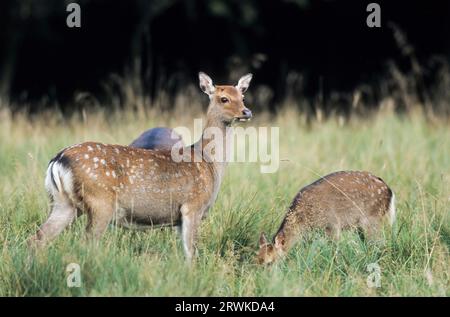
(190, 221)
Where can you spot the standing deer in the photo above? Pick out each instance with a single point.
(340, 200)
(141, 188)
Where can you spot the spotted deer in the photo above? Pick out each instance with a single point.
(338, 201)
(141, 188)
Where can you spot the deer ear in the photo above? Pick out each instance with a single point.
(206, 84)
(280, 240)
(244, 82)
(263, 240)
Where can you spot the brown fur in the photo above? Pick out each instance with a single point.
(137, 187)
(338, 201)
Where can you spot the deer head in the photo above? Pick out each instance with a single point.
(226, 102)
(269, 252)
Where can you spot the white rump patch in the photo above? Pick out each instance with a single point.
(59, 179)
(392, 211)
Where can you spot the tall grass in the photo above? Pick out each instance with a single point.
(411, 154)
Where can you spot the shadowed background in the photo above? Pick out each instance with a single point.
(313, 52)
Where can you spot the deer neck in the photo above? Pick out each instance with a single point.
(214, 138)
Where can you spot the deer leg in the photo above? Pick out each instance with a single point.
(189, 228)
(61, 216)
(333, 231)
(371, 231)
(99, 216)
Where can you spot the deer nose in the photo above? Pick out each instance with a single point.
(247, 113)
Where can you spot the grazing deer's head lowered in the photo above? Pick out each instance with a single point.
(338, 201)
(268, 252)
(139, 187)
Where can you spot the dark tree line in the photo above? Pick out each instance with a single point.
(294, 47)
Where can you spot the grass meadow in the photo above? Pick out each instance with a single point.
(409, 152)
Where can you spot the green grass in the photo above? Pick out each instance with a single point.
(411, 155)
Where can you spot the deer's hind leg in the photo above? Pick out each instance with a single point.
(370, 229)
(62, 215)
(100, 213)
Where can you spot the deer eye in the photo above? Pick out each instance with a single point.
(224, 100)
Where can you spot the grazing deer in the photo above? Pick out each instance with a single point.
(141, 188)
(340, 200)
(157, 139)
